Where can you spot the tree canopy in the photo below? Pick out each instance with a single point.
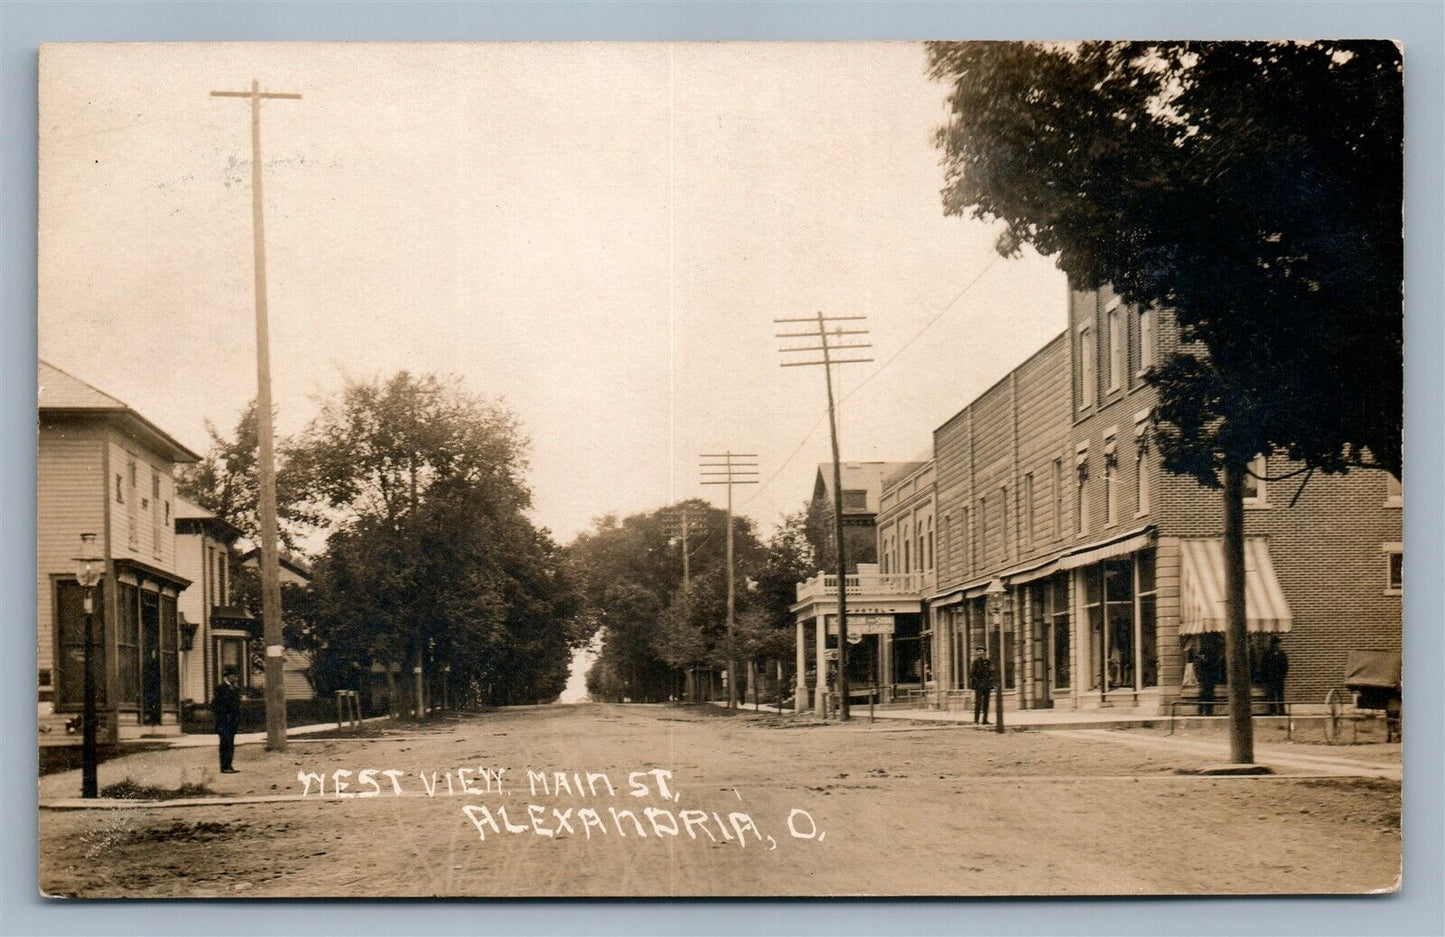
(632, 577)
(225, 483)
(1254, 189)
(431, 561)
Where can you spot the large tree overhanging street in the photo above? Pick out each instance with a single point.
(1252, 189)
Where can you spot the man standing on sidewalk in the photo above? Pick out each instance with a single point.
(226, 707)
(980, 677)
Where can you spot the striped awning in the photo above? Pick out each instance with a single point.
(1201, 588)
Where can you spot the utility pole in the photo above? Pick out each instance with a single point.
(824, 328)
(265, 430)
(736, 470)
(679, 525)
(1236, 635)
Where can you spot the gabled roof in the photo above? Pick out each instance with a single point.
(193, 513)
(857, 476)
(59, 393)
(298, 567)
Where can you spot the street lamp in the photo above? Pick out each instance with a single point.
(996, 596)
(89, 565)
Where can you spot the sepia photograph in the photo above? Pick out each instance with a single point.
(720, 469)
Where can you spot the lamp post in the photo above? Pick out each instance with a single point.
(996, 594)
(89, 565)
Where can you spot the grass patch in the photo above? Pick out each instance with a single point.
(131, 789)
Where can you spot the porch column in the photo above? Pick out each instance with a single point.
(820, 680)
(1026, 674)
(800, 684)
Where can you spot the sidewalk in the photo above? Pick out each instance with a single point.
(1014, 718)
(208, 740)
(1094, 726)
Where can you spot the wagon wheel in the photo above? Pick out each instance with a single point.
(1334, 705)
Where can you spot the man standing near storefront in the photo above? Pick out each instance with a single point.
(980, 677)
(1273, 668)
(226, 707)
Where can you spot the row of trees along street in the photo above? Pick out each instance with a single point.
(416, 490)
(1252, 188)
(663, 638)
(429, 560)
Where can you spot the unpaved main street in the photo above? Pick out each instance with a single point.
(753, 805)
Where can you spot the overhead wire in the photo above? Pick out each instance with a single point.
(876, 371)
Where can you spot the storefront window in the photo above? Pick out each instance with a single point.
(170, 672)
(1094, 617)
(70, 610)
(127, 644)
(1148, 647)
(1059, 654)
(1119, 597)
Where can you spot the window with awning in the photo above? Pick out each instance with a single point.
(1201, 588)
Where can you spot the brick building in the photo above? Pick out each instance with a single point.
(1063, 548)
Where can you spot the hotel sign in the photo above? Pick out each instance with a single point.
(862, 624)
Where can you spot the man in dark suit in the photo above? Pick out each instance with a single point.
(1274, 667)
(226, 707)
(980, 678)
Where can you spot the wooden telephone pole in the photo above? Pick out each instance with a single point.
(824, 328)
(736, 469)
(265, 430)
(680, 525)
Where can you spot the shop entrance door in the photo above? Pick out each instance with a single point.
(150, 631)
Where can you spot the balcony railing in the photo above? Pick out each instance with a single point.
(824, 585)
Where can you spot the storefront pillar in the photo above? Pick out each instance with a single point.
(1167, 613)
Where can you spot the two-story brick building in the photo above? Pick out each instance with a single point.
(104, 469)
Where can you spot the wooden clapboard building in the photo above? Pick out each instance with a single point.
(104, 469)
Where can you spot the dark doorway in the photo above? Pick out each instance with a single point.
(150, 631)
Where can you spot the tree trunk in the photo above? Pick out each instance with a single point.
(1236, 635)
(393, 702)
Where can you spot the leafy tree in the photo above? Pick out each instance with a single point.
(225, 483)
(1253, 189)
(431, 561)
(631, 574)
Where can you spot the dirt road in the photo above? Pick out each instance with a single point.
(658, 801)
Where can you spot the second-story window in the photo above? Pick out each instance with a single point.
(1116, 348)
(1088, 367)
(1003, 519)
(968, 539)
(1111, 483)
(156, 512)
(1146, 340)
(1081, 496)
(1141, 480)
(1058, 481)
(132, 515)
(1256, 494)
(1026, 536)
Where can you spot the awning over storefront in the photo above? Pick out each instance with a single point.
(1201, 588)
(1131, 542)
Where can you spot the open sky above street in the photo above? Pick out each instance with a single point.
(600, 234)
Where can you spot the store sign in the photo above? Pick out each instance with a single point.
(863, 624)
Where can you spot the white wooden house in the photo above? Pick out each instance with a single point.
(215, 635)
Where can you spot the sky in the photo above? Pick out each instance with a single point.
(599, 234)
